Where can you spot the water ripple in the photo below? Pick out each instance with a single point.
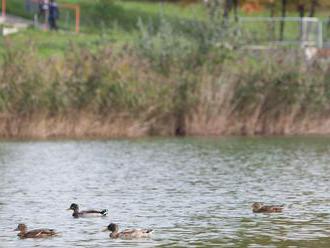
(193, 192)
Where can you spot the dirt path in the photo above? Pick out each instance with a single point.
(15, 21)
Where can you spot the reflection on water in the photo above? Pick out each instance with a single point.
(194, 192)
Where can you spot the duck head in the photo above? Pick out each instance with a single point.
(112, 228)
(74, 207)
(21, 227)
(256, 206)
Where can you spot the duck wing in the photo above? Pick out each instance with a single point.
(271, 209)
(146, 230)
(277, 208)
(103, 212)
(135, 233)
(40, 233)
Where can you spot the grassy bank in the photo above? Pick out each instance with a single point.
(165, 85)
(116, 21)
(169, 76)
(99, 15)
(102, 21)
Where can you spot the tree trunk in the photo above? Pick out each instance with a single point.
(236, 8)
(227, 8)
(272, 9)
(301, 11)
(314, 3)
(284, 4)
(272, 14)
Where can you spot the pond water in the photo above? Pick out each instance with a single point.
(193, 192)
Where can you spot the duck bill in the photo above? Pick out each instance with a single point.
(105, 229)
(68, 209)
(16, 229)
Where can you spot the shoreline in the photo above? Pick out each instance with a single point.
(89, 126)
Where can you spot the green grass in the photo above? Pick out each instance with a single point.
(116, 21)
(101, 21)
(51, 43)
(99, 13)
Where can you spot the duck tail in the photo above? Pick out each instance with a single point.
(104, 212)
(57, 234)
(149, 230)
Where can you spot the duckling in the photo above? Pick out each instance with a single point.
(259, 207)
(37, 233)
(128, 233)
(86, 213)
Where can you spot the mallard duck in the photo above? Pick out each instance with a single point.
(259, 207)
(86, 213)
(128, 233)
(37, 233)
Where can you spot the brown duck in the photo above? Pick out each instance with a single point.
(37, 233)
(259, 207)
(128, 233)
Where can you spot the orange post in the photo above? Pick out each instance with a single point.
(76, 8)
(77, 19)
(3, 8)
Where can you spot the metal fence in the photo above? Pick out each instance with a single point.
(326, 33)
(308, 31)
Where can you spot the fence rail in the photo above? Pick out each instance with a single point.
(307, 31)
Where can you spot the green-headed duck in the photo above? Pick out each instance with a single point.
(128, 233)
(86, 213)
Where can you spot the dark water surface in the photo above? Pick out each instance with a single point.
(192, 192)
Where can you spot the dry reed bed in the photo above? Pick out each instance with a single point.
(123, 93)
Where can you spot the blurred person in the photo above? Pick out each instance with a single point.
(54, 15)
